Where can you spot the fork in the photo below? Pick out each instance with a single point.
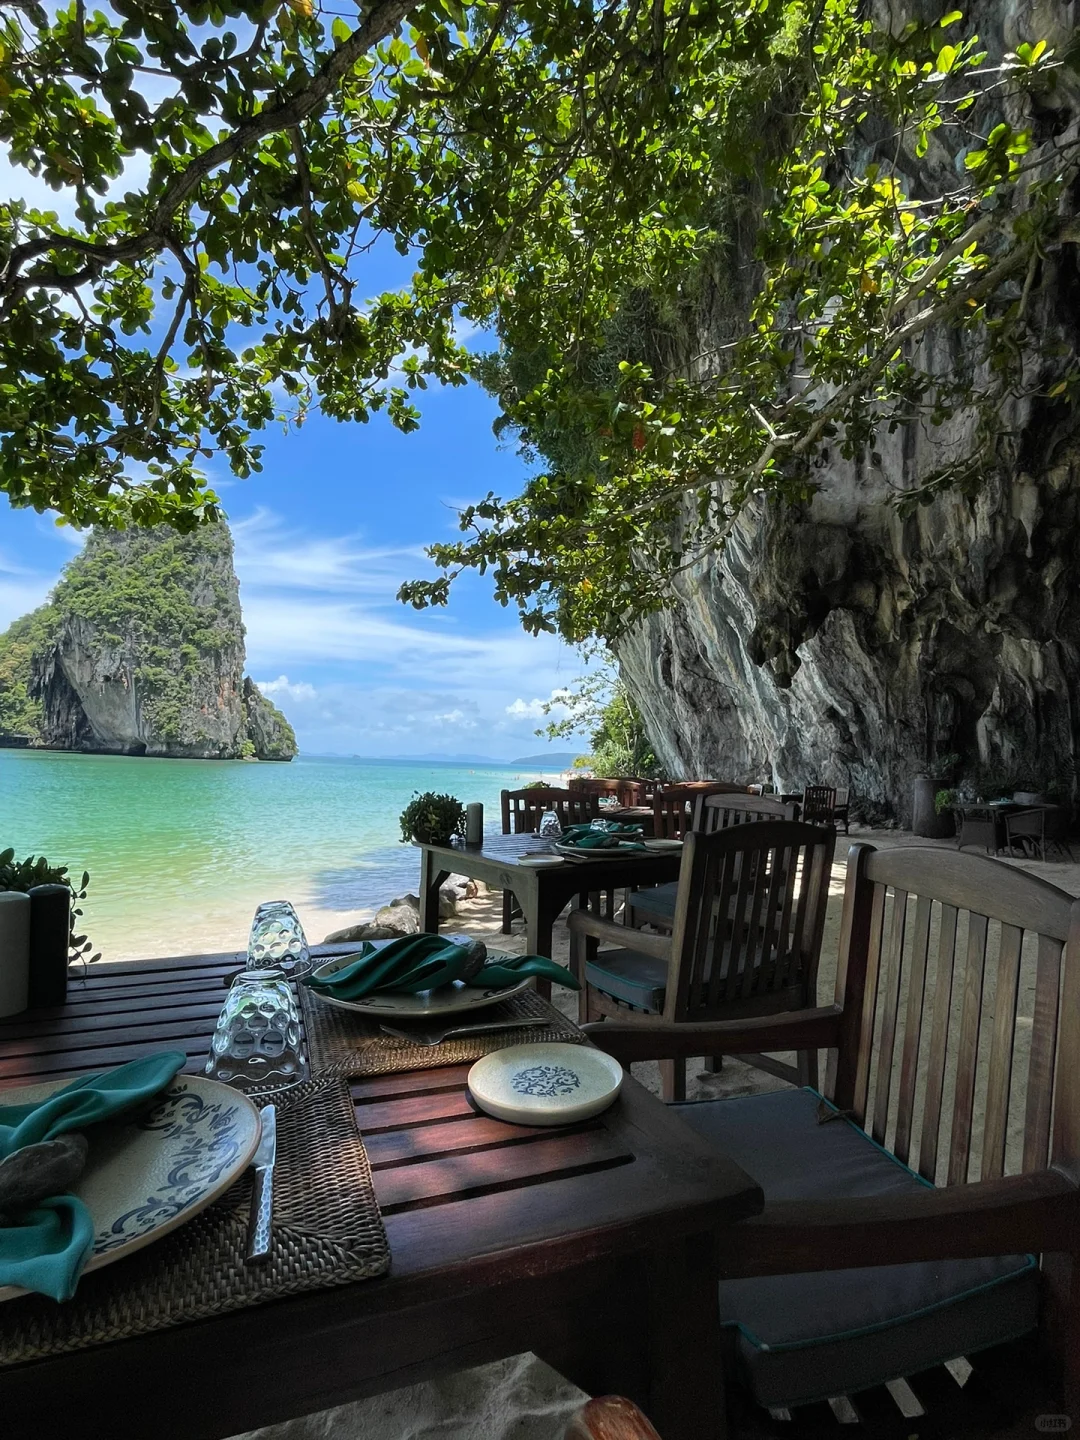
(437, 1036)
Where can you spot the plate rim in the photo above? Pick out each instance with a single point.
(98, 1260)
(372, 1007)
(605, 852)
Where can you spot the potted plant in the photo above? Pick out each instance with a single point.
(931, 816)
(431, 819)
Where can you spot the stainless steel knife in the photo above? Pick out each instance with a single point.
(262, 1195)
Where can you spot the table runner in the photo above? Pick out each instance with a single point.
(327, 1231)
(340, 1043)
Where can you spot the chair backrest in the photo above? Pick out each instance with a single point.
(717, 812)
(954, 974)
(819, 802)
(627, 792)
(749, 919)
(522, 809)
(843, 797)
(674, 806)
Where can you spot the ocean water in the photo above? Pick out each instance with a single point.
(181, 851)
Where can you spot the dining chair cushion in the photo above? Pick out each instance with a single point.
(639, 980)
(659, 901)
(810, 1337)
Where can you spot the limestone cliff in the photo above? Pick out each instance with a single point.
(141, 652)
(838, 642)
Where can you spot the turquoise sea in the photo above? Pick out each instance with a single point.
(181, 851)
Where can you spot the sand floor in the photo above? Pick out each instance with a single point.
(520, 1398)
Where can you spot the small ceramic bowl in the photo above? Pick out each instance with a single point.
(545, 1084)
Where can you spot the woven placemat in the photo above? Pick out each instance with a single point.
(340, 1043)
(327, 1231)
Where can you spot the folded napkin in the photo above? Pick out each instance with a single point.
(584, 837)
(45, 1248)
(424, 962)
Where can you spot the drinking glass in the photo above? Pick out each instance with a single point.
(277, 939)
(257, 1040)
(549, 828)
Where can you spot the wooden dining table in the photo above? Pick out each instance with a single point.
(544, 893)
(595, 1246)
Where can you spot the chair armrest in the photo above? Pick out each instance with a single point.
(584, 922)
(815, 1029)
(1021, 1213)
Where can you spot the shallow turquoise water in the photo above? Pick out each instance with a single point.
(181, 851)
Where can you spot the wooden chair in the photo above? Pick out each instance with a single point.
(842, 809)
(1038, 829)
(675, 806)
(625, 792)
(819, 805)
(522, 811)
(656, 906)
(934, 1065)
(746, 938)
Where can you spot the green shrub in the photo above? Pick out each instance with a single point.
(432, 819)
(23, 875)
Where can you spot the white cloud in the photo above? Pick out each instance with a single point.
(283, 688)
(538, 709)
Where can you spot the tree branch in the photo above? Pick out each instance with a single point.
(383, 20)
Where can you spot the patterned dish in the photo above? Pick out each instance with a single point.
(146, 1176)
(545, 1084)
(427, 1005)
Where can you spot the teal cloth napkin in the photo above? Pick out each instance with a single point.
(45, 1249)
(617, 836)
(423, 962)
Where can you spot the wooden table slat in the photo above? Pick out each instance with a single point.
(488, 1171)
(394, 1147)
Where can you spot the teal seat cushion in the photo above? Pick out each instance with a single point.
(627, 975)
(659, 900)
(803, 1338)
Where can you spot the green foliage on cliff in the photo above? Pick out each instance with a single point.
(828, 203)
(600, 704)
(166, 602)
(158, 612)
(20, 713)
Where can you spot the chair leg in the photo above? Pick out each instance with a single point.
(714, 1064)
(507, 911)
(673, 1080)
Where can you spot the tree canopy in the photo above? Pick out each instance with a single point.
(563, 173)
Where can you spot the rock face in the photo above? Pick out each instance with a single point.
(267, 729)
(839, 643)
(143, 653)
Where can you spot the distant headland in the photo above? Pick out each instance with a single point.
(140, 651)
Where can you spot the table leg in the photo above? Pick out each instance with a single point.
(686, 1378)
(430, 881)
(539, 921)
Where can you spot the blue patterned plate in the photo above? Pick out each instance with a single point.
(545, 1084)
(146, 1176)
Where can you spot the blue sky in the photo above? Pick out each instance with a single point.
(324, 536)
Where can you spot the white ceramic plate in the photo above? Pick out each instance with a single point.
(540, 862)
(545, 1084)
(663, 844)
(428, 1005)
(146, 1176)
